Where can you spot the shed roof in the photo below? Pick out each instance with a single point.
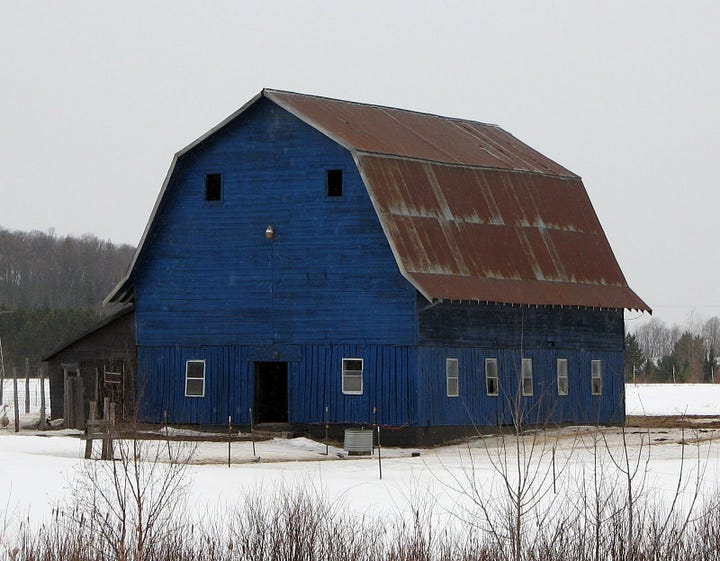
(112, 318)
(470, 212)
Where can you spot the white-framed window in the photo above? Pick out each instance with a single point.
(352, 376)
(195, 378)
(491, 376)
(527, 376)
(452, 377)
(596, 380)
(562, 376)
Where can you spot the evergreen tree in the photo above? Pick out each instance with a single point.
(689, 358)
(634, 358)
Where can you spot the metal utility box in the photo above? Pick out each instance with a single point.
(358, 441)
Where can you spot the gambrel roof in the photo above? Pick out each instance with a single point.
(470, 212)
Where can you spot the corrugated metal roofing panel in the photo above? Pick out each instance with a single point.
(465, 233)
(540, 293)
(386, 130)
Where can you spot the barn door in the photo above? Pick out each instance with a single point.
(271, 395)
(73, 397)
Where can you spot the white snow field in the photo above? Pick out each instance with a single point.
(37, 469)
(672, 399)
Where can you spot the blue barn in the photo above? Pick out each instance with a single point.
(312, 261)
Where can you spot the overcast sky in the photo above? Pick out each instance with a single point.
(98, 96)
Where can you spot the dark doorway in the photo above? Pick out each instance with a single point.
(271, 383)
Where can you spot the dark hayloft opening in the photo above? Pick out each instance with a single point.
(213, 187)
(334, 183)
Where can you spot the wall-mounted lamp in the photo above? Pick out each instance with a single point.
(270, 232)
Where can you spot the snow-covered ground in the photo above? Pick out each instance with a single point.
(672, 399)
(37, 469)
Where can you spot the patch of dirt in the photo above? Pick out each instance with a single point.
(674, 421)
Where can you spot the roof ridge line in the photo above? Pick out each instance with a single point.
(379, 106)
(390, 156)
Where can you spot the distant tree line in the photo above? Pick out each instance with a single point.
(41, 270)
(51, 290)
(655, 352)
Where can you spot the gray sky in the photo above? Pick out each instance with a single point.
(98, 96)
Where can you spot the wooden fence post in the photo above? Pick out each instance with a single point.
(42, 425)
(27, 385)
(2, 373)
(79, 405)
(89, 428)
(15, 400)
(66, 399)
(107, 445)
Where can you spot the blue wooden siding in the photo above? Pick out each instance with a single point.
(209, 276)
(472, 332)
(314, 382)
(545, 406)
(407, 385)
(502, 325)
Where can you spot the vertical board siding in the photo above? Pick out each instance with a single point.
(314, 382)
(474, 407)
(472, 332)
(407, 385)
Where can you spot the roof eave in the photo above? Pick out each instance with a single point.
(108, 320)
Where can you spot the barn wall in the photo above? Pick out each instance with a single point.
(314, 381)
(208, 276)
(472, 332)
(474, 406)
(501, 325)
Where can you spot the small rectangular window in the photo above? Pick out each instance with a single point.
(491, 376)
(352, 376)
(113, 372)
(596, 377)
(527, 376)
(213, 187)
(195, 378)
(562, 376)
(452, 377)
(334, 183)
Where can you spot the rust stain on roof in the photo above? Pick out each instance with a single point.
(495, 235)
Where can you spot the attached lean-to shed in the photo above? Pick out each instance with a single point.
(312, 260)
(96, 364)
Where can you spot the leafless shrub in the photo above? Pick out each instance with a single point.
(133, 504)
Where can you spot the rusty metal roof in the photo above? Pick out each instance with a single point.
(470, 212)
(463, 233)
(385, 130)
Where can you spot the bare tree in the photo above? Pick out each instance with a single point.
(711, 334)
(133, 504)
